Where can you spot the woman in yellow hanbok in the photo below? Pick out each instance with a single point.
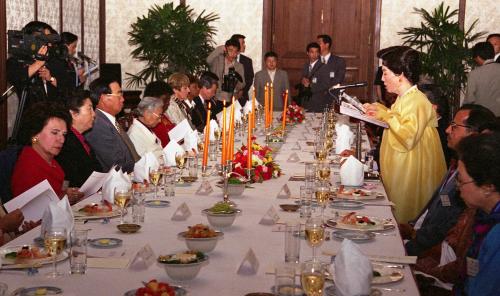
(411, 157)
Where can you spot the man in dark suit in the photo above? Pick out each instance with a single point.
(332, 72)
(208, 87)
(445, 206)
(247, 68)
(494, 39)
(107, 137)
(311, 67)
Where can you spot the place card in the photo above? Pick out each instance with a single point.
(270, 218)
(297, 178)
(205, 188)
(111, 263)
(249, 265)
(144, 258)
(296, 146)
(284, 192)
(182, 213)
(294, 157)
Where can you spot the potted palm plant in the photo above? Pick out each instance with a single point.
(445, 49)
(170, 39)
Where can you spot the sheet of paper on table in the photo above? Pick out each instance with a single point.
(33, 201)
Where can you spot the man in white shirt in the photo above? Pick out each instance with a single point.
(494, 39)
(271, 74)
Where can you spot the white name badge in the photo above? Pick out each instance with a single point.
(472, 266)
(445, 200)
(332, 74)
(315, 80)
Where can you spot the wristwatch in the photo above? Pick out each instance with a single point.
(52, 79)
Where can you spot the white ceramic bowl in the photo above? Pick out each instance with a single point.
(183, 272)
(235, 189)
(221, 220)
(204, 245)
(275, 146)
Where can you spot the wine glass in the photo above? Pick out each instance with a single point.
(320, 151)
(122, 196)
(322, 194)
(315, 232)
(324, 171)
(155, 177)
(312, 278)
(55, 242)
(180, 160)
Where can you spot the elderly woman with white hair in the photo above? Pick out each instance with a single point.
(148, 115)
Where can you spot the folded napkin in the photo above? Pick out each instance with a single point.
(58, 214)
(141, 168)
(353, 271)
(219, 116)
(351, 172)
(179, 131)
(213, 127)
(191, 141)
(115, 179)
(248, 107)
(345, 138)
(237, 105)
(237, 115)
(170, 151)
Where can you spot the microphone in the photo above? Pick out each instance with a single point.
(84, 57)
(340, 87)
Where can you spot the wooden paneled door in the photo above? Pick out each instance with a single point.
(289, 25)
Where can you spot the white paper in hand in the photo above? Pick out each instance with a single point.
(352, 172)
(32, 201)
(58, 214)
(170, 151)
(93, 183)
(179, 131)
(353, 271)
(142, 167)
(114, 179)
(213, 127)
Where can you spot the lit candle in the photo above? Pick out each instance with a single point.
(207, 138)
(253, 109)
(266, 106)
(271, 102)
(285, 107)
(223, 158)
(249, 146)
(231, 132)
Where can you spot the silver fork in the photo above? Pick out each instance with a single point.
(392, 289)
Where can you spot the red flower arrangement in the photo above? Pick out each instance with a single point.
(294, 114)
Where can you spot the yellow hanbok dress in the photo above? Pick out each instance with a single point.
(412, 162)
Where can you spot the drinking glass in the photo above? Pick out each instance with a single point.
(305, 201)
(3, 289)
(312, 278)
(324, 171)
(138, 210)
(284, 279)
(192, 164)
(155, 177)
(315, 232)
(292, 242)
(78, 251)
(122, 196)
(180, 160)
(310, 171)
(322, 193)
(320, 151)
(55, 242)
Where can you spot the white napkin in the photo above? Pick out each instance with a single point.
(141, 168)
(345, 138)
(351, 172)
(237, 115)
(57, 214)
(114, 179)
(353, 271)
(248, 107)
(179, 131)
(237, 105)
(169, 153)
(191, 141)
(228, 117)
(213, 127)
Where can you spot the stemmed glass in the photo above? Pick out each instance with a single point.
(122, 196)
(55, 242)
(322, 194)
(155, 177)
(315, 233)
(312, 277)
(180, 160)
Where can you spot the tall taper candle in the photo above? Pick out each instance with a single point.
(223, 157)
(207, 138)
(285, 107)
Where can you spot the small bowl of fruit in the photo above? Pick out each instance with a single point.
(221, 215)
(201, 238)
(155, 288)
(183, 266)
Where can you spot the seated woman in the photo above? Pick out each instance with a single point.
(148, 116)
(43, 129)
(479, 182)
(178, 108)
(77, 158)
(160, 89)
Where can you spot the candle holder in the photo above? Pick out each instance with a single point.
(226, 174)
(205, 171)
(249, 172)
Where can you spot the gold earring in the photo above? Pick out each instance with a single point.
(34, 140)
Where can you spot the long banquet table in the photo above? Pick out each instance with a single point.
(219, 277)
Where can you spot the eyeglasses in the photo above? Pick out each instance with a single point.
(157, 116)
(462, 183)
(455, 125)
(115, 95)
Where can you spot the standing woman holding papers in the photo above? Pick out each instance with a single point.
(43, 130)
(411, 158)
(77, 158)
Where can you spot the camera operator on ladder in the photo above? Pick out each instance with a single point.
(223, 63)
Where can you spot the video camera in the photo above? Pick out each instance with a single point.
(24, 46)
(230, 80)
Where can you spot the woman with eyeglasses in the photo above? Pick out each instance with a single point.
(479, 183)
(411, 158)
(148, 116)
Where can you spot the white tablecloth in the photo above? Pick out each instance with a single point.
(219, 277)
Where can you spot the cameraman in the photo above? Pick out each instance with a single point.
(223, 63)
(30, 72)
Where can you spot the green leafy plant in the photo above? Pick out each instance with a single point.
(170, 39)
(445, 49)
